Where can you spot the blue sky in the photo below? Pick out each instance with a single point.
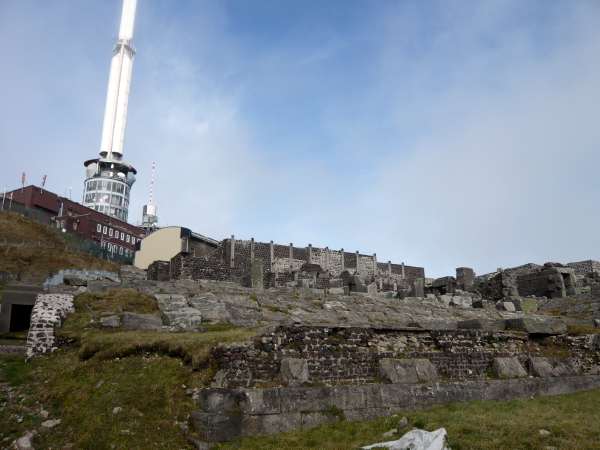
(439, 133)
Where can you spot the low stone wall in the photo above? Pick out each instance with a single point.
(352, 355)
(48, 312)
(227, 414)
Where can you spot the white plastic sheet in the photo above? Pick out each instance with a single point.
(416, 440)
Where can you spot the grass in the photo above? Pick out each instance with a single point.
(483, 425)
(150, 391)
(44, 251)
(580, 330)
(146, 373)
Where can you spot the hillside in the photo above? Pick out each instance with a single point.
(32, 251)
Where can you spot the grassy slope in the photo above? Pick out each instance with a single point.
(101, 370)
(31, 259)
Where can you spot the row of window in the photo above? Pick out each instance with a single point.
(115, 233)
(115, 212)
(114, 199)
(116, 249)
(111, 186)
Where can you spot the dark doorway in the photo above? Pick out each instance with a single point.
(20, 317)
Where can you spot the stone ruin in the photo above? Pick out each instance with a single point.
(268, 265)
(335, 344)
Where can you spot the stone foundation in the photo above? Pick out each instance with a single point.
(227, 414)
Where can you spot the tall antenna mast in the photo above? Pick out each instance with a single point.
(108, 178)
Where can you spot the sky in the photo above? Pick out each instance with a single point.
(436, 133)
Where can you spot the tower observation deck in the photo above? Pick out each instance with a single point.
(109, 178)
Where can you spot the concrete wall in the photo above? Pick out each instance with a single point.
(14, 295)
(162, 245)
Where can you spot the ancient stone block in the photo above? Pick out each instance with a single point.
(482, 324)
(506, 306)
(294, 371)
(419, 287)
(217, 427)
(406, 370)
(134, 321)
(537, 325)
(508, 368)
(465, 277)
(540, 367)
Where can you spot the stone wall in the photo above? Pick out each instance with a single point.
(549, 281)
(234, 257)
(585, 267)
(227, 414)
(159, 271)
(352, 355)
(48, 312)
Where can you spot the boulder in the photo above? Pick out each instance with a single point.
(596, 323)
(25, 441)
(506, 306)
(407, 370)
(294, 371)
(540, 367)
(462, 301)
(508, 368)
(537, 325)
(445, 299)
(134, 321)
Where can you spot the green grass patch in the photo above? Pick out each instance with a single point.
(192, 347)
(483, 425)
(580, 330)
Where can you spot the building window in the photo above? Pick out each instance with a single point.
(104, 229)
(99, 228)
(110, 232)
(122, 236)
(74, 226)
(109, 246)
(102, 244)
(120, 250)
(127, 237)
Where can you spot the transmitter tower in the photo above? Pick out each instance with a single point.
(108, 179)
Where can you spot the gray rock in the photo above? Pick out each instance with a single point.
(506, 306)
(117, 410)
(462, 301)
(110, 321)
(51, 423)
(294, 371)
(537, 325)
(596, 323)
(134, 321)
(402, 423)
(541, 367)
(24, 442)
(390, 433)
(372, 288)
(544, 433)
(407, 370)
(508, 368)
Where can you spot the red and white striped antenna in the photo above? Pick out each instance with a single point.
(151, 200)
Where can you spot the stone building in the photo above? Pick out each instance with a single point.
(286, 265)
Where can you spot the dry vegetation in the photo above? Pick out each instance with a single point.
(30, 249)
